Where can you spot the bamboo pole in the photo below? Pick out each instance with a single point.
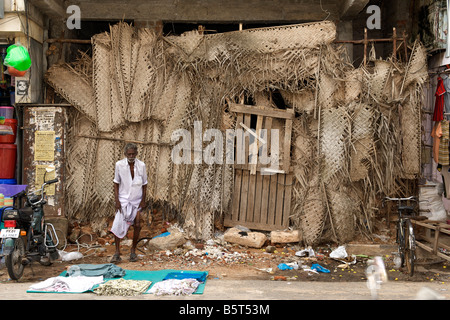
(79, 41)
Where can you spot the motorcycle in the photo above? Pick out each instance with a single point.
(26, 236)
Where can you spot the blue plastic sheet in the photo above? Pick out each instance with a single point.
(165, 234)
(9, 190)
(180, 275)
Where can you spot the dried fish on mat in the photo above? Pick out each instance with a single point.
(122, 287)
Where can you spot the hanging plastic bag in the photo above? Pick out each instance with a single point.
(16, 73)
(17, 57)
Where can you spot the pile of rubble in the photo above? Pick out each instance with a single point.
(269, 252)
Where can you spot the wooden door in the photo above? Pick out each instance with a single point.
(262, 193)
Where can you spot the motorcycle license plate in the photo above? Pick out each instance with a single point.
(9, 233)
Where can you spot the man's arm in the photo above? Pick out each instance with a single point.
(116, 196)
(144, 194)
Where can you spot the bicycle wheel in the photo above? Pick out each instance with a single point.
(401, 241)
(410, 247)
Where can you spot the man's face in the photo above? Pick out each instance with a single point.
(131, 155)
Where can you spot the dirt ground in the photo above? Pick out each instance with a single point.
(236, 263)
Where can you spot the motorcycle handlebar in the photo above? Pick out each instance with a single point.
(20, 194)
(42, 191)
(400, 199)
(52, 181)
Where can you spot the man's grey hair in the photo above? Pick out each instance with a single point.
(130, 146)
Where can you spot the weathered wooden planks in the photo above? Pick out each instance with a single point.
(261, 201)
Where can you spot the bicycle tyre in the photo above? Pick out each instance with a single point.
(401, 242)
(410, 247)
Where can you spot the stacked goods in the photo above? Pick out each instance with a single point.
(8, 148)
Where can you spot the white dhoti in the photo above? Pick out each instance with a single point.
(124, 219)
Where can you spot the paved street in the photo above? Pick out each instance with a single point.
(256, 290)
(257, 298)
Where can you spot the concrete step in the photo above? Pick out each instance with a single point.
(371, 249)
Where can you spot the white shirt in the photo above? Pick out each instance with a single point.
(130, 190)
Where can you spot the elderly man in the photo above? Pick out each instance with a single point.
(130, 185)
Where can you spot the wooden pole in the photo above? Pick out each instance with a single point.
(365, 46)
(405, 45)
(80, 41)
(394, 38)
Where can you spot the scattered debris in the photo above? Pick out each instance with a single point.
(271, 249)
(245, 238)
(308, 252)
(290, 236)
(339, 253)
(284, 266)
(167, 241)
(319, 268)
(69, 256)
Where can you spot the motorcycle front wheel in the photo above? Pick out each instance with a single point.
(13, 261)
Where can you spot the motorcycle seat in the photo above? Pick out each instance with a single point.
(26, 214)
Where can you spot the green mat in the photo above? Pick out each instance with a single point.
(153, 276)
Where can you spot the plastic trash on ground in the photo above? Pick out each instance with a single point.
(339, 253)
(284, 266)
(319, 268)
(69, 256)
(308, 252)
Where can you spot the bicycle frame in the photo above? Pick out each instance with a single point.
(405, 233)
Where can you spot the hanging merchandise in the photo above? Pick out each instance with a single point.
(5, 128)
(438, 114)
(436, 134)
(444, 157)
(446, 83)
(17, 60)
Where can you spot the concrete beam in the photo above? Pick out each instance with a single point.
(351, 8)
(14, 25)
(225, 11)
(51, 8)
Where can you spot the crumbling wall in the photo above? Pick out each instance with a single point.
(356, 131)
